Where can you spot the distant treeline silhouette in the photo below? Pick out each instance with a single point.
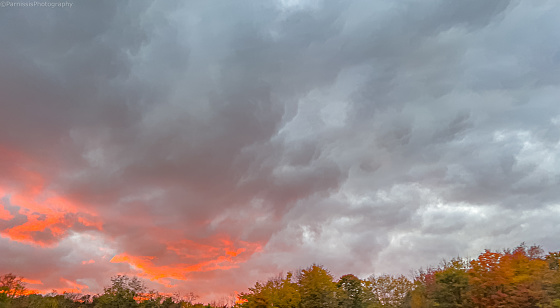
(524, 277)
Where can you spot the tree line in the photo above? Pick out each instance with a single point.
(524, 277)
(124, 292)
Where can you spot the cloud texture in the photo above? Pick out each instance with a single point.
(206, 144)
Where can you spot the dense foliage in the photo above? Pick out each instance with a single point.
(519, 278)
(124, 292)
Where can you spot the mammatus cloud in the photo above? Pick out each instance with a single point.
(203, 146)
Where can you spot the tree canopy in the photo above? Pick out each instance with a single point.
(524, 277)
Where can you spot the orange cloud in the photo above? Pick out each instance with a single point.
(31, 291)
(73, 286)
(52, 227)
(48, 215)
(42, 217)
(176, 271)
(92, 221)
(47, 228)
(31, 281)
(201, 258)
(69, 286)
(233, 253)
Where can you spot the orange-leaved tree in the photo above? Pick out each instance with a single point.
(508, 279)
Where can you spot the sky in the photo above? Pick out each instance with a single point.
(206, 145)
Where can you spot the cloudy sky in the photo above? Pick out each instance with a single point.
(204, 145)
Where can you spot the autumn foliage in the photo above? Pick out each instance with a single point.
(524, 277)
(519, 278)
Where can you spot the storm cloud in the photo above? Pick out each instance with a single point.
(204, 145)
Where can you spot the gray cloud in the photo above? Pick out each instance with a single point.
(367, 136)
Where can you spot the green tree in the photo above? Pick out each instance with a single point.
(276, 292)
(122, 293)
(552, 279)
(50, 301)
(353, 293)
(317, 288)
(11, 287)
(452, 285)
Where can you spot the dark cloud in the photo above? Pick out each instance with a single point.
(199, 142)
